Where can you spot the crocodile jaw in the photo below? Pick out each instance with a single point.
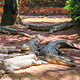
(55, 59)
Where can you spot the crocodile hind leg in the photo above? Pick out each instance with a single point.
(11, 70)
(60, 51)
(55, 59)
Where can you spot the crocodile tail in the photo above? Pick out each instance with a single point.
(65, 43)
(25, 34)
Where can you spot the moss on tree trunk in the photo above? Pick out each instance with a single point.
(11, 13)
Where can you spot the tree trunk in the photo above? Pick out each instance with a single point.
(11, 13)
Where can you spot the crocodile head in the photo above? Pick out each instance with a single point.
(55, 59)
(3, 50)
(24, 47)
(64, 61)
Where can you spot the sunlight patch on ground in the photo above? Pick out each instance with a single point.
(46, 19)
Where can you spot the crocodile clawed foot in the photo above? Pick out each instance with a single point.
(60, 51)
(9, 71)
(51, 31)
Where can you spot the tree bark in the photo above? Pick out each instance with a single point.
(11, 13)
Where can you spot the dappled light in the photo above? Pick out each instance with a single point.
(46, 20)
(45, 70)
(24, 57)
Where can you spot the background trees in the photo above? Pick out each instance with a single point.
(10, 14)
(72, 5)
(74, 8)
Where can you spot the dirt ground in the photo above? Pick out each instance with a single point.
(48, 71)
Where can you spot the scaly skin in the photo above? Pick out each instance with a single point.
(20, 62)
(50, 52)
(54, 46)
(7, 49)
(56, 59)
(7, 30)
(50, 27)
(7, 56)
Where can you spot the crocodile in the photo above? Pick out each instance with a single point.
(47, 54)
(50, 27)
(7, 49)
(50, 49)
(8, 30)
(12, 55)
(19, 62)
(50, 52)
(31, 45)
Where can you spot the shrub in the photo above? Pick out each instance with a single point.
(74, 8)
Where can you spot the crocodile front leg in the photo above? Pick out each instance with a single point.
(55, 59)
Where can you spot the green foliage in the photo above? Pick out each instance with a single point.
(1, 1)
(74, 8)
(17, 4)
